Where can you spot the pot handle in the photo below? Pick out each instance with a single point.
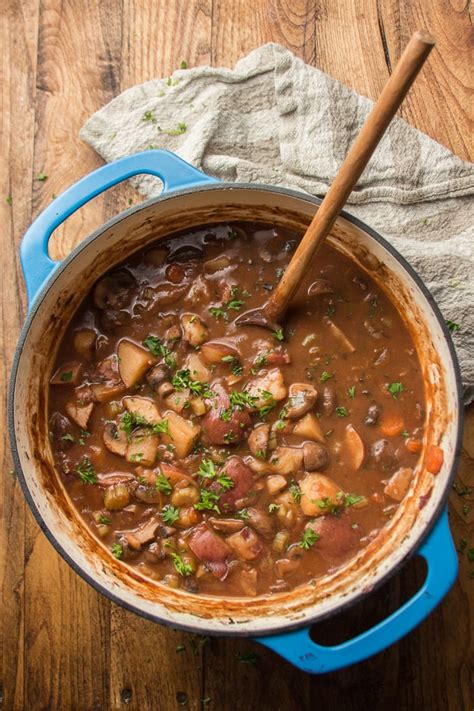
(173, 171)
(440, 555)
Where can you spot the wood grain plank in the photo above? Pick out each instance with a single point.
(18, 39)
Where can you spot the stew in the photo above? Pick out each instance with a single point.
(229, 460)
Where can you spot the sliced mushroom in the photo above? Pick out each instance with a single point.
(258, 440)
(195, 331)
(226, 525)
(144, 534)
(320, 286)
(79, 413)
(115, 439)
(165, 389)
(291, 562)
(261, 522)
(104, 392)
(340, 336)
(373, 414)
(134, 361)
(157, 375)
(315, 457)
(302, 398)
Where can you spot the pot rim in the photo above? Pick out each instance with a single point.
(232, 631)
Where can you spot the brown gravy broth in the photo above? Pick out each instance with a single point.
(181, 497)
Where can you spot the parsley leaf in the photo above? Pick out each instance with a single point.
(295, 492)
(86, 471)
(309, 539)
(272, 508)
(66, 377)
(41, 177)
(325, 376)
(452, 326)
(243, 514)
(218, 313)
(163, 484)
(104, 520)
(207, 501)
(394, 389)
(278, 334)
(117, 550)
(351, 392)
(182, 568)
(342, 411)
(170, 514)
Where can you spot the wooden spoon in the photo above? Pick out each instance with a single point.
(395, 90)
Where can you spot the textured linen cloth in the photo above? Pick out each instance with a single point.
(274, 119)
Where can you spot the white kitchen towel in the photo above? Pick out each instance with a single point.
(274, 119)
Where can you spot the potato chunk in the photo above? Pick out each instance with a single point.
(182, 434)
(143, 447)
(271, 382)
(79, 413)
(399, 483)
(317, 490)
(67, 374)
(84, 341)
(214, 351)
(143, 407)
(197, 368)
(309, 428)
(116, 497)
(134, 361)
(195, 331)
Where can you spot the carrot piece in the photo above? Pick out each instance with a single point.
(434, 459)
(414, 445)
(392, 426)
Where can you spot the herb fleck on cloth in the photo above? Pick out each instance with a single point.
(274, 119)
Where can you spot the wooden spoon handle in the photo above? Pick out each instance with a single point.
(411, 61)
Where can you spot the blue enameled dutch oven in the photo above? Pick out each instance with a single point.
(280, 621)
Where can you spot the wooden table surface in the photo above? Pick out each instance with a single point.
(65, 646)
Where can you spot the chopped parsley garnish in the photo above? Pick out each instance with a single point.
(243, 514)
(136, 457)
(207, 469)
(260, 454)
(295, 492)
(405, 433)
(218, 313)
(86, 471)
(350, 499)
(67, 438)
(270, 403)
(148, 116)
(182, 568)
(104, 520)
(163, 484)
(41, 177)
(9, 200)
(225, 481)
(170, 514)
(272, 508)
(184, 64)
(258, 363)
(342, 411)
(130, 420)
(309, 539)
(180, 647)
(158, 349)
(181, 128)
(325, 376)
(117, 550)
(207, 501)
(452, 326)
(235, 304)
(66, 377)
(351, 392)
(325, 504)
(236, 367)
(278, 334)
(395, 389)
(182, 381)
(242, 399)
